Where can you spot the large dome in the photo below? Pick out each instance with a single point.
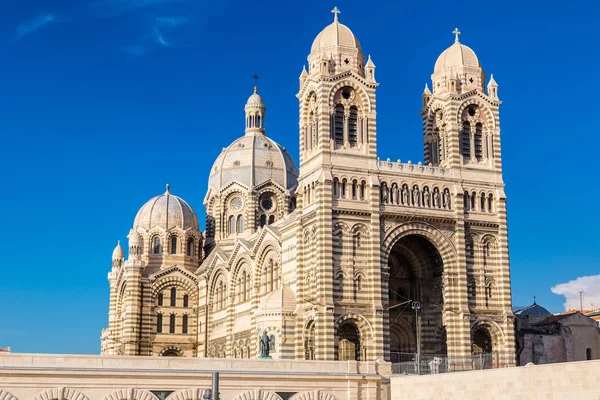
(333, 35)
(252, 160)
(166, 211)
(457, 55)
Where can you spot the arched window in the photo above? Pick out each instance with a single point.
(467, 202)
(250, 122)
(338, 130)
(352, 126)
(482, 205)
(271, 219)
(588, 353)
(363, 184)
(173, 244)
(473, 201)
(240, 223)
(159, 323)
(358, 284)
(272, 344)
(258, 122)
(343, 188)
(186, 300)
(354, 187)
(184, 324)
(190, 247)
(466, 140)
(173, 297)
(231, 224)
(478, 142)
(336, 184)
(172, 323)
(156, 245)
(491, 203)
(160, 299)
(263, 220)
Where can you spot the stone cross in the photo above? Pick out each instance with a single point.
(335, 12)
(456, 32)
(256, 78)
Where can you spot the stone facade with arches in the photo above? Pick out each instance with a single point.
(331, 258)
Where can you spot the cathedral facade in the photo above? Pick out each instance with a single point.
(348, 257)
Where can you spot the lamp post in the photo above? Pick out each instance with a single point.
(417, 306)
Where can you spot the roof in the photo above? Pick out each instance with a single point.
(456, 55)
(534, 309)
(166, 211)
(335, 34)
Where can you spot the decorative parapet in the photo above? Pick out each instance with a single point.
(409, 167)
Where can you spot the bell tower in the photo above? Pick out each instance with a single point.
(337, 138)
(460, 118)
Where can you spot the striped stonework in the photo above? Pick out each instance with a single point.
(349, 257)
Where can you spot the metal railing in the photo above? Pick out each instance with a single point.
(424, 364)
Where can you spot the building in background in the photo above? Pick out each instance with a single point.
(543, 338)
(334, 260)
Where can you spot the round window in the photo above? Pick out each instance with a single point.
(267, 203)
(237, 203)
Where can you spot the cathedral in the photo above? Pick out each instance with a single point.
(347, 257)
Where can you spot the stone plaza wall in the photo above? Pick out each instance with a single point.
(82, 377)
(574, 381)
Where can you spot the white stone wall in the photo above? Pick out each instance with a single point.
(83, 377)
(576, 380)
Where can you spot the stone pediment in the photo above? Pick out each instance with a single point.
(268, 233)
(171, 270)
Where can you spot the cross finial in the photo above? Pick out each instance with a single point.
(256, 78)
(534, 300)
(335, 12)
(168, 187)
(456, 33)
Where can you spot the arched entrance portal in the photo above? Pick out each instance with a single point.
(171, 353)
(415, 274)
(482, 342)
(347, 342)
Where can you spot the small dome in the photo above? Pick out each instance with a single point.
(533, 309)
(255, 99)
(333, 35)
(281, 300)
(457, 55)
(252, 160)
(166, 211)
(134, 238)
(118, 251)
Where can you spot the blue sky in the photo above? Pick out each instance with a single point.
(102, 102)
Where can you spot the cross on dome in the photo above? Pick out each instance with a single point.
(335, 12)
(168, 187)
(456, 33)
(256, 78)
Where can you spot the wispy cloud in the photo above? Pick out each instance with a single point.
(35, 24)
(589, 285)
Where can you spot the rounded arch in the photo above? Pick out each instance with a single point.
(489, 115)
(493, 329)
(443, 245)
(175, 280)
(313, 395)
(257, 394)
(187, 394)
(131, 394)
(364, 326)
(4, 395)
(365, 101)
(171, 351)
(61, 393)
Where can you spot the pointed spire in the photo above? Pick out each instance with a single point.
(304, 73)
(370, 62)
(456, 33)
(492, 81)
(335, 12)
(426, 91)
